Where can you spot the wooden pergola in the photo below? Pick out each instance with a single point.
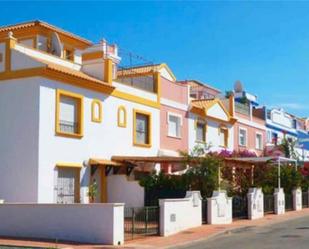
(251, 162)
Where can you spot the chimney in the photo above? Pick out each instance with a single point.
(232, 104)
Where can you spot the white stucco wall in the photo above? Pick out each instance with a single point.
(135, 91)
(219, 208)
(2, 51)
(255, 203)
(279, 201)
(180, 214)
(120, 189)
(166, 74)
(19, 126)
(48, 57)
(94, 68)
(297, 199)
(101, 140)
(93, 223)
(212, 135)
(216, 111)
(22, 61)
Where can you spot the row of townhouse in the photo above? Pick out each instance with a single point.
(72, 117)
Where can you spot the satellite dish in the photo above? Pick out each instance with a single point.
(56, 46)
(238, 87)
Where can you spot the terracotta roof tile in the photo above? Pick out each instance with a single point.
(46, 25)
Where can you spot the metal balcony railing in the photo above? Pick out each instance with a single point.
(69, 127)
(242, 108)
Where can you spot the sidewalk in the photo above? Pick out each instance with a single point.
(186, 237)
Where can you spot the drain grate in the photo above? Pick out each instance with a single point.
(290, 236)
(302, 228)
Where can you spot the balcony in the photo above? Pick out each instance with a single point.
(200, 92)
(242, 108)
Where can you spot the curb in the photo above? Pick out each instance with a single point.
(232, 230)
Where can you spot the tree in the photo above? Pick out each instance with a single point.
(204, 175)
(287, 146)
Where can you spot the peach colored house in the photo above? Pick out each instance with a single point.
(174, 117)
(250, 132)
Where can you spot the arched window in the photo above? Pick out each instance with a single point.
(96, 111)
(122, 116)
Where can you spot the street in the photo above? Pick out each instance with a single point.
(287, 235)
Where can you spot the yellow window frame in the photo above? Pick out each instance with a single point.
(80, 113)
(94, 118)
(201, 121)
(225, 130)
(124, 123)
(148, 114)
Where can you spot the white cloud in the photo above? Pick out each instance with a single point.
(292, 106)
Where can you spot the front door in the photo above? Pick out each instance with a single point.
(68, 185)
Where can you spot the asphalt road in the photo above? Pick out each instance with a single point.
(293, 234)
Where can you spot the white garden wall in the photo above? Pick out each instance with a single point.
(119, 189)
(255, 203)
(219, 208)
(297, 199)
(180, 214)
(279, 201)
(90, 223)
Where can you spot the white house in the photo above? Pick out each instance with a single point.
(64, 115)
(210, 124)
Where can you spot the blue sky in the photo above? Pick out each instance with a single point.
(263, 44)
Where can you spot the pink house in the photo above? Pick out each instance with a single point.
(250, 132)
(174, 120)
(250, 128)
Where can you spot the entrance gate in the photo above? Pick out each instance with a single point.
(269, 204)
(204, 211)
(288, 202)
(140, 222)
(305, 199)
(240, 207)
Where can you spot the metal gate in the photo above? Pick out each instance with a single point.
(67, 185)
(204, 211)
(288, 202)
(140, 222)
(269, 204)
(305, 199)
(240, 207)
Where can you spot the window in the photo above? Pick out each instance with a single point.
(29, 42)
(258, 141)
(269, 139)
(96, 111)
(174, 125)
(69, 114)
(122, 117)
(200, 131)
(274, 138)
(224, 136)
(142, 129)
(242, 137)
(68, 54)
